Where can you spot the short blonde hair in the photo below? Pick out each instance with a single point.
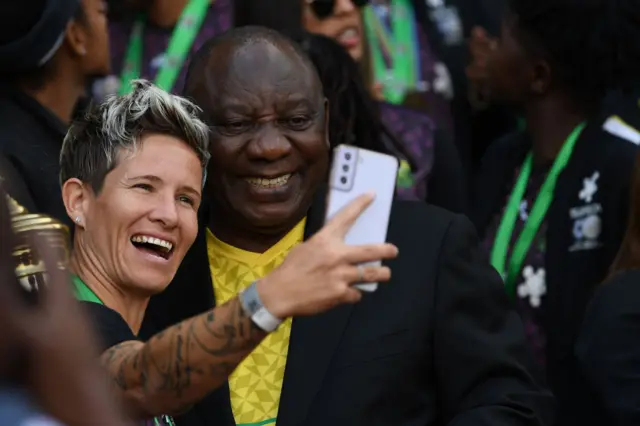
(91, 146)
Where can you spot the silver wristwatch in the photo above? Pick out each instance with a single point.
(254, 308)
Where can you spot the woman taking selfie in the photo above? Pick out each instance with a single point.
(132, 172)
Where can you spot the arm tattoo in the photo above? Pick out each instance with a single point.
(179, 366)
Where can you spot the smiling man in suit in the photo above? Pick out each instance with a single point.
(439, 345)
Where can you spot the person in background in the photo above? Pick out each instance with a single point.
(399, 57)
(132, 177)
(49, 49)
(426, 148)
(551, 200)
(153, 39)
(48, 367)
(414, 53)
(607, 388)
(408, 353)
(355, 118)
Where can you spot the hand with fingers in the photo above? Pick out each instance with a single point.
(62, 372)
(320, 273)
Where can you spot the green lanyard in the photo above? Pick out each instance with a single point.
(401, 46)
(83, 292)
(180, 44)
(538, 212)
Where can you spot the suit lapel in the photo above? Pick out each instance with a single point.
(312, 345)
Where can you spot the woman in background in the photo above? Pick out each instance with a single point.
(608, 348)
(431, 170)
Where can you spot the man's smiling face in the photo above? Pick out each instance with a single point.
(269, 148)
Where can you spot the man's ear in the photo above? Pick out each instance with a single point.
(542, 78)
(77, 38)
(76, 197)
(326, 122)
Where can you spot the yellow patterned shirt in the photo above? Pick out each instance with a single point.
(256, 384)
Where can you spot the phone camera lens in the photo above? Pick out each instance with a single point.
(343, 180)
(347, 156)
(345, 168)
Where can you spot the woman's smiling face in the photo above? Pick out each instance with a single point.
(144, 219)
(344, 24)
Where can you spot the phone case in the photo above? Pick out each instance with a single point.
(354, 172)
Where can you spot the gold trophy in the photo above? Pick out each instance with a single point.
(30, 268)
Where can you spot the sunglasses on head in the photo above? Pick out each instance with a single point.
(324, 8)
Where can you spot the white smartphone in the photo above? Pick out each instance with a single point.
(356, 171)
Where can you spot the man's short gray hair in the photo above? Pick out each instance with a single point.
(91, 147)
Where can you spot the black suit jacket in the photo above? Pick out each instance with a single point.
(439, 344)
(608, 353)
(571, 275)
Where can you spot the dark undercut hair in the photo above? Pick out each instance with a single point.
(239, 38)
(591, 45)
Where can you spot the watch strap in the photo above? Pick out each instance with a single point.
(254, 308)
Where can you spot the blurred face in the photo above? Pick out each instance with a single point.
(96, 61)
(336, 19)
(511, 72)
(144, 220)
(269, 148)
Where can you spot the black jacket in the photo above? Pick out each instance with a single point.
(608, 353)
(30, 141)
(571, 273)
(440, 344)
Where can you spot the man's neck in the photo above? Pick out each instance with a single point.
(165, 13)
(240, 236)
(60, 96)
(130, 306)
(254, 242)
(549, 124)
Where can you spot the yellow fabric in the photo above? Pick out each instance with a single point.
(257, 382)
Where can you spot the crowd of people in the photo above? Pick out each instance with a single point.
(180, 150)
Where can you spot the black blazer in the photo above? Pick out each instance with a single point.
(440, 344)
(608, 353)
(570, 275)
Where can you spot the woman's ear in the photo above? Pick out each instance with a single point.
(76, 197)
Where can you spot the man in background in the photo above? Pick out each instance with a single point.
(49, 50)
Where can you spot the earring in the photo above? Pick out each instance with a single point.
(78, 220)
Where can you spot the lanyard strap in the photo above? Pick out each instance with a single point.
(401, 45)
(180, 44)
(83, 292)
(537, 214)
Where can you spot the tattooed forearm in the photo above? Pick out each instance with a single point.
(179, 366)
